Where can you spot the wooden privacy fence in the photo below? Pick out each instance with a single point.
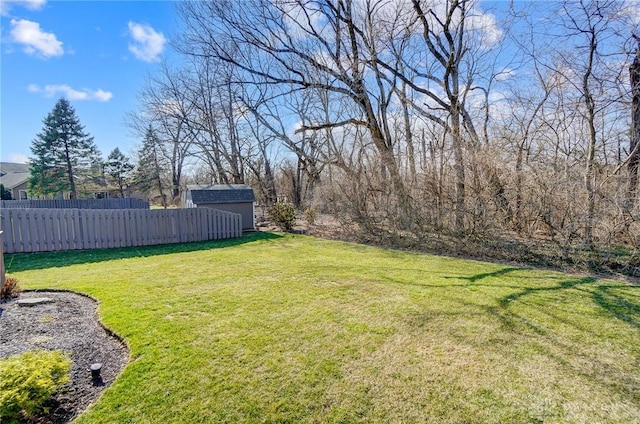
(128, 203)
(46, 230)
(2, 276)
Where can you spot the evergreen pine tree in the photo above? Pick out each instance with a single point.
(5, 194)
(118, 168)
(148, 175)
(63, 152)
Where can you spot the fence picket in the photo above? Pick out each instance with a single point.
(99, 226)
(118, 227)
(39, 230)
(57, 227)
(39, 226)
(137, 229)
(25, 230)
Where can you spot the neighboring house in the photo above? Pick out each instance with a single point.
(237, 198)
(15, 178)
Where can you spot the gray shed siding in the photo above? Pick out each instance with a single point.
(236, 198)
(244, 209)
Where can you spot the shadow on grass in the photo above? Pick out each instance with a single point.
(604, 296)
(540, 319)
(17, 262)
(516, 320)
(619, 306)
(623, 306)
(497, 273)
(505, 301)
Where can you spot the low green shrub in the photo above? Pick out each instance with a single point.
(28, 380)
(283, 215)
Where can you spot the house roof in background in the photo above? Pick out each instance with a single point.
(221, 193)
(13, 174)
(10, 167)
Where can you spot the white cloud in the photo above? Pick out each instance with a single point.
(631, 9)
(485, 23)
(505, 74)
(168, 108)
(71, 93)
(300, 19)
(147, 44)
(6, 5)
(17, 158)
(35, 41)
(31, 4)
(102, 96)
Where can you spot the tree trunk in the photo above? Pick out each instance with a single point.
(269, 180)
(459, 170)
(634, 144)
(591, 148)
(408, 136)
(72, 183)
(121, 186)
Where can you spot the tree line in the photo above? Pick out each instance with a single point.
(411, 120)
(415, 117)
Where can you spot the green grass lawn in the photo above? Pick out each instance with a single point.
(282, 328)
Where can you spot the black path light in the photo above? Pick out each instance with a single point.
(95, 371)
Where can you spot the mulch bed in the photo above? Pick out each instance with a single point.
(70, 324)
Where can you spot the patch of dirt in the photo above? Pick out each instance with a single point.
(70, 324)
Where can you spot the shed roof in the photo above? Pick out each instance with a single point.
(221, 193)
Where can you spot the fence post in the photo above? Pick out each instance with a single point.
(2, 276)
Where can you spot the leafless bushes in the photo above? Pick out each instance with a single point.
(542, 224)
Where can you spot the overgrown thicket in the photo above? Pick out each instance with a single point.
(425, 122)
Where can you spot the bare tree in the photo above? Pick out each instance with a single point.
(586, 68)
(408, 118)
(165, 106)
(311, 45)
(442, 72)
(634, 145)
(216, 119)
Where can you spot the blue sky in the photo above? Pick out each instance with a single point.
(97, 54)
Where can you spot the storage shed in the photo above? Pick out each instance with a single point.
(236, 198)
